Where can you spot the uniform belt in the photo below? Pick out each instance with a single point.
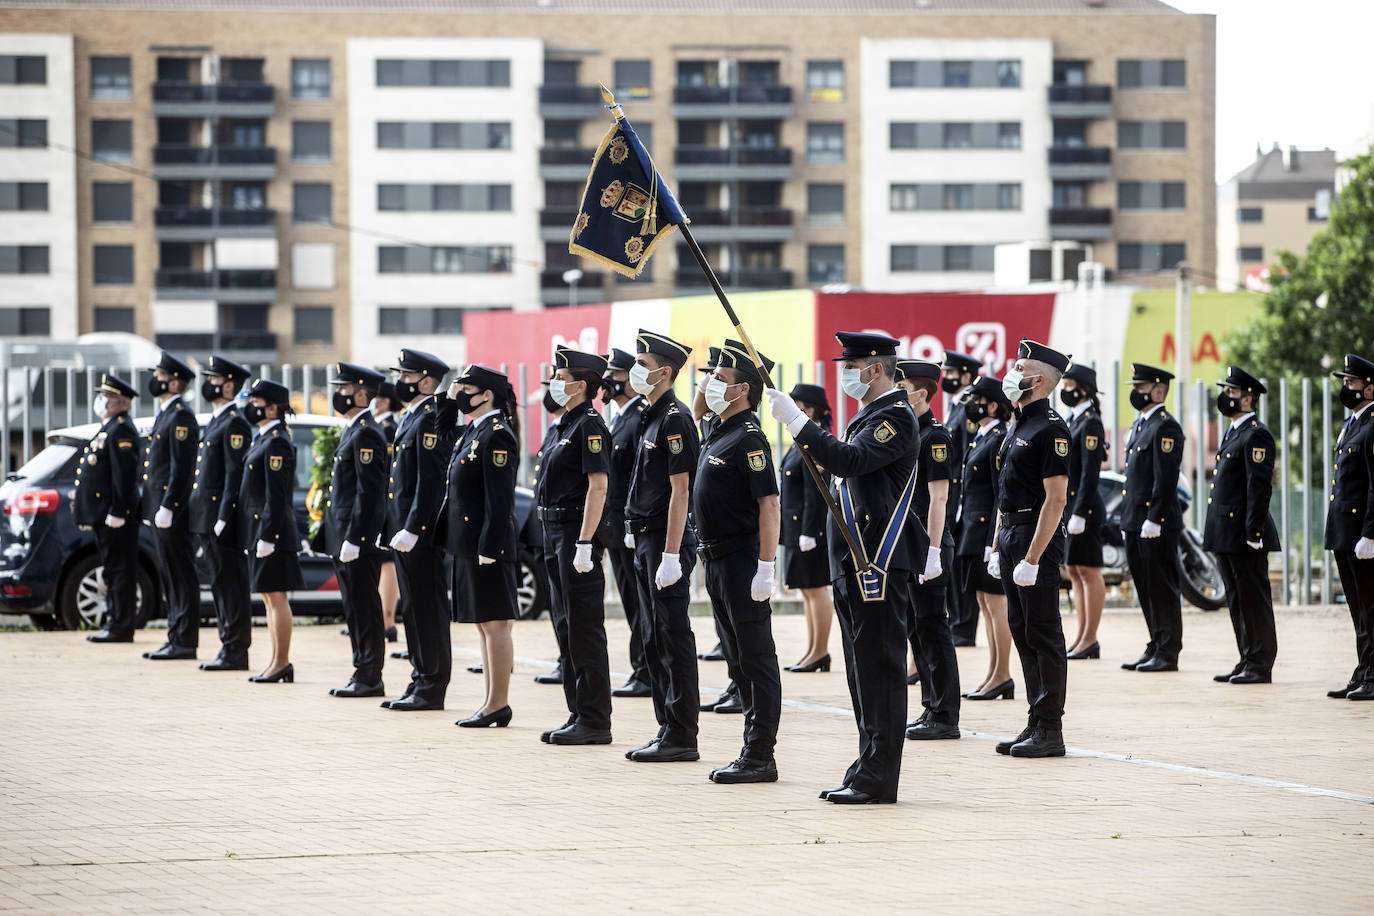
(1020, 517)
(555, 514)
(646, 525)
(726, 546)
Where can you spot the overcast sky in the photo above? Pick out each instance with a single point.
(1296, 72)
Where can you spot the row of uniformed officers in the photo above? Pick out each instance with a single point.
(933, 519)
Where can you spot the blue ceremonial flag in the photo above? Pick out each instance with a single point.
(627, 209)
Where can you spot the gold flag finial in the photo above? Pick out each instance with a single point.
(611, 103)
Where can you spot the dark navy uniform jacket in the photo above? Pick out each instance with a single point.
(961, 432)
(1034, 448)
(875, 461)
(419, 459)
(267, 511)
(803, 506)
(356, 504)
(934, 464)
(579, 445)
(223, 449)
(169, 464)
(1154, 453)
(667, 446)
(978, 511)
(1087, 450)
(107, 474)
(1350, 509)
(625, 431)
(1242, 482)
(478, 514)
(734, 471)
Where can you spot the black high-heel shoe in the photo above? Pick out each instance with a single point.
(500, 718)
(1093, 651)
(820, 664)
(1003, 691)
(287, 674)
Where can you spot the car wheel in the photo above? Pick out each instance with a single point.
(81, 600)
(531, 591)
(1200, 577)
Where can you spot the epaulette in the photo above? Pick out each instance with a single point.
(119, 419)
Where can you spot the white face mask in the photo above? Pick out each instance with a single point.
(1011, 385)
(851, 382)
(558, 390)
(639, 380)
(100, 404)
(715, 395)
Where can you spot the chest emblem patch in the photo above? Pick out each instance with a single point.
(1166, 445)
(939, 453)
(884, 432)
(1257, 455)
(498, 457)
(594, 444)
(757, 461)
(1061, 447)
(182, 433)
(365, 455)
(274, 462)
(429, 440)
(235, 441)
(675, 444)
(1090, 442)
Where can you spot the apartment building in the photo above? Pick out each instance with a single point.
(1277, 203)
(298, 181)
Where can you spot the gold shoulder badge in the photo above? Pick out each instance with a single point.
(1090, 442)
(182, 433)
(939, 453)
(675, 444)
(1166, 445)
(594, 444)
(236, 441)
(429, 440)
(498, 457)
(274, 462)
(884, 432)
(971, 426)
(1257, 455)
(1061, 447)
(365, 455)
(757, 461)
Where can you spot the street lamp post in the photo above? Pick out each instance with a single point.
(570, 277)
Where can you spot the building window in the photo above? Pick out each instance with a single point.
(954, 135)
(425, 319)
(937, 258)
(1009, 74)
(25, 321)
(1149, 256)
(444, 259)
(314, 324)
(451, 197)
(111, 78)
(904, 197)
(957, 135)
(114, 265)
(1150, 195)
(114, 318)
(25, 133)
(1152, 134)
(23, 259)
(1173, 195)
(462, 73)
(824, 264)
(1008, 197)
(23, 195)
(634, 79)
(1151, 74)
(1250, 253)
(112, 141)
(310, 141)
(958, 74)
(309, 78)
(1009, 135)
(901, 74)
(1314, 215)
(112, 201)
(312, 203)
(958, 197)
(1250, 215)
(23, 70)
(958, 257)
(824, 141)
(825, 80)
(825, 204)
(444, 135)
(981, 196)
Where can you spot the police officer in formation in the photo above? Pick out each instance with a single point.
(214, 512)
(1032, 488)
(927, 617)
(108, 505)
(354, 510)
(1087, 511)
(625, 430)
(1350, 518)
(555, 411)
(384, 408)
(574, 475)
(1239, 529)
(876, 466)
(1152, 519)
(958, 374)
(168, 473)
(735, 507)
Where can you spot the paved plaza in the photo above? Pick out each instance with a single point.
(129, 785)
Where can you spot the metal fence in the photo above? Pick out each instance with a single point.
(41, 400)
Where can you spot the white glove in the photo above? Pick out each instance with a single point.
(987, 554)
(265, 549)
(761, 588)
(163, 519)
(629, 542)
(669, 570)
(582, 559)
(484, 561)
(933, 567)
(403, 541)
(1364, 549)
(220, 525)
(114, 521)
(1077, 524)
(1025, 574)
(995, 566)
(1149, 529)
(806, 542)
(705, 380)
(349, 551)
(785, 410)
(1255, 545)
(454, 389)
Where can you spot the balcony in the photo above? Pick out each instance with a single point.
(176, 99)
(248, 347)
(570, 102)
(732, 163)
(565, 163)
(1082, 162)
(174, 224)
(1080, 101)
(176, 160)
(258, 285)
(1080, 223)
(691, 278)
(753, 224)
(709, 102)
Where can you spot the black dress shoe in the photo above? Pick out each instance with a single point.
(475, 669)
(580, 734)
(170, 652)
(553, 677)
(1364, 692)
(730, 703)
(1093, 651)
(745, 770)
(413, 703)
(709, 705)
(913, 679)
(1004, 747)
(344, 631)
(548, 733)
(851, 796)
(633, 688)
(931, 730)
(499, 718)
(355, 689)
(1249, 676)
(224, 664)
(1226, 676)
(820, 664)
(1132, 666)
(391, 634)
(403, 654)
(826, 793)
(1043, 742)
(149, 653)
(630, 754)
(665, 753)
(107, 636)
(283, 675)
(1158, 664)
(1003, 691)
(1340, 693)
(714, 655)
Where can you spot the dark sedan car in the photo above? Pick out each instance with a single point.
(49, 568)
